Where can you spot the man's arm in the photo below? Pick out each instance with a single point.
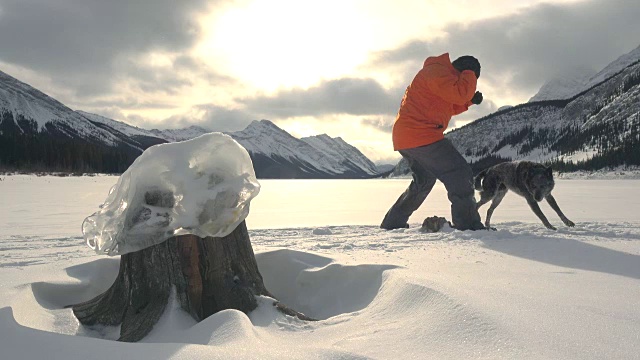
(454, 89)
(459, 109)
(476, 99)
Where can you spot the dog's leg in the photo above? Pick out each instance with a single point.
(494, 204)
(536, 210)
(554, 205)
(488, 190)
(485, 197)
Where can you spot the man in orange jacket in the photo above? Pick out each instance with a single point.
(440, 90)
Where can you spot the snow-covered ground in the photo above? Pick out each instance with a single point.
(621, 173)
(522, 292)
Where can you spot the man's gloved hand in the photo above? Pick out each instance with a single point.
(477, 98)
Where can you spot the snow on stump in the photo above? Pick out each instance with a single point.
(176, 217)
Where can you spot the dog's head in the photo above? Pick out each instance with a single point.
(539, 181)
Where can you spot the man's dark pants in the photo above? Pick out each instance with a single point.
(437, 161)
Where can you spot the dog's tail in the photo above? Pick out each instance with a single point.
(478, 181)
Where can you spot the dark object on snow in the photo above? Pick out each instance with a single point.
(467, 62)
(434, 224)
(477, 98)
(209, 275)
(531, 180)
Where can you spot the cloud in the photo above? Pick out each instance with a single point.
(521, 51)
(211, 117)
(88, 45)
(412, 52)
(342, 96)
(382, 123)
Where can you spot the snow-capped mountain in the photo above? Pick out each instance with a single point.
(564, 86)
(275, 153)
(345, 154)
(580, 79)
(144, 138)
(38, 132)
(278, 154)
(615, 67)
(33, 111)
(126, 129)
(168, 135)
(595, 129)
(173, 135)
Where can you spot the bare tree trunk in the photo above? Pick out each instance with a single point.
(209, 275)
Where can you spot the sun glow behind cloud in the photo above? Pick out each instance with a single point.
(275, 44)
(283, 43)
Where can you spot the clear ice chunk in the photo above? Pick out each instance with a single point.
(201, 186)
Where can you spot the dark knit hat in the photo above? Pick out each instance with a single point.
(467, 62)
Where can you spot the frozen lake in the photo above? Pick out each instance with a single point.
(56, 206)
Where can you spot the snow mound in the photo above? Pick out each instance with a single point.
(309, 283)
(347, 298)
(201, 186)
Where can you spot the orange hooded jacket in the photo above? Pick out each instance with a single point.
(438, 92)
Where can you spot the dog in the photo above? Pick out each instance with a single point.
(531, 180)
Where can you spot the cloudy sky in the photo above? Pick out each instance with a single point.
(334, 66)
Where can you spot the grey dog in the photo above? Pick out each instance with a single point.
(531, 180)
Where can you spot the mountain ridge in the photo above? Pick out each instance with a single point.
(580, 79)
(40, 133)
(587, 131)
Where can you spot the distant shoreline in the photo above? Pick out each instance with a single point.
(630, 174)
(53, 173)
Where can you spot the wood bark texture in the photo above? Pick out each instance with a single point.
(208, 275)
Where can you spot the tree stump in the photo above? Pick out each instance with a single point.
(208, 274)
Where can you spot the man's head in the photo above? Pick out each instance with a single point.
(467, 62)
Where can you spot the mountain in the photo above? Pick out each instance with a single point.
(615, 67)
(277, 154)
(564, 86)
(168, 135)
(580, 79)
(144, 138)
(38, 133)
(401, 169)
(33, 111)
(173, 135)
(345, 154)
(385, 168)
(595, 129)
